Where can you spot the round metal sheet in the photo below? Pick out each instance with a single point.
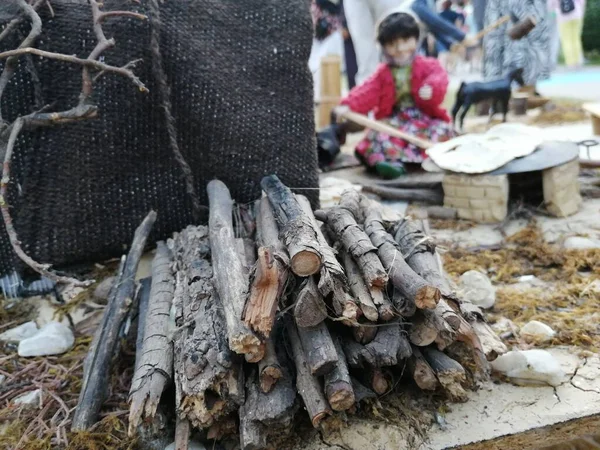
(549, 154)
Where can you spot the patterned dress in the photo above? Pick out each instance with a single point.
(502, 54)
(378, 147)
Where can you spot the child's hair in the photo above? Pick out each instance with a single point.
(397, 26)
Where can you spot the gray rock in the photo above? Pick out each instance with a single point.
(103, 289)
(53, 338)
(19, 333)
(29, 398)
(477, 288)
(193, 445)
(2, 378)
(581, 243)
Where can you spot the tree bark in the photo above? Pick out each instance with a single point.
(230, 278)
(433, 196)
(269, 276)
(308, 385)
(359, 289)
(208, 375)
(365, 332)
(424, 328)
(449, 373)
(421, 371)
(269, 369)
(338, 385)
(404, 306)
(98, 361)
(385, 309)
(319, 349)
(342, 220)
(309, 309)
(491, 344)
(332, 280)
(409, 284)
(382, 351)
(295, 227)
(154, 371)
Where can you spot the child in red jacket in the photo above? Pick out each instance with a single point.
(407, 91)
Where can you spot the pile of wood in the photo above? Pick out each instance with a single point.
(283, 307)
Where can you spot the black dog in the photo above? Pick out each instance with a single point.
(496, 90)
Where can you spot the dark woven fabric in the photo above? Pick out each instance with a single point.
(242, 100)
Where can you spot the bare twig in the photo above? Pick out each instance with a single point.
(18, 20)
(84, 110)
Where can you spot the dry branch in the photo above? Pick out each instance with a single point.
(295, 227)
(269, 368)
(208, 376)
(421, 371)
(449, 373)
(342, 220)
(308, 385)
(231, 281)
(309, 307)
(155, 368)
(338, 385)
(96, 377)
(332, 280)
(319, 349)
(270, 276)
(434, 196)
(359, 288)
(411, 285)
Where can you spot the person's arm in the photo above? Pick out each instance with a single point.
(365, 97)
(437, 25)
(435, 83)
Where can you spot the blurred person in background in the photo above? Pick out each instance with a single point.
(570, 15)
(407, 91)
(531, 53)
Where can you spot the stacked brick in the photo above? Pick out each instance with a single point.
(482, 198)
(561, 189)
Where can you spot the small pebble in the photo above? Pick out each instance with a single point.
(53, 338)
(477, 288)
(29, 398)
(19, 333)
(537, 331)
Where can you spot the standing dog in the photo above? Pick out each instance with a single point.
(496, 91)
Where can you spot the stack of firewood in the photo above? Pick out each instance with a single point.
(335, 306)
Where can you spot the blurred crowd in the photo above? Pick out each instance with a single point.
(348, 28)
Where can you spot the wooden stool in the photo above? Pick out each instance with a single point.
(594, 110)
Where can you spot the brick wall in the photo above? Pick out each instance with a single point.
(482, 198)
(561, 189)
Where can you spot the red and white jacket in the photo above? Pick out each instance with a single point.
(378, 92)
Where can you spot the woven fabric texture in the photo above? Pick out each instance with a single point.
(242, 100)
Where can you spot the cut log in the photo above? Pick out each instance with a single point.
(424, 328)
(382, 351)
(338, 385)
(365, 332)
(342, 220)
(449, 373)
(295, 227)
(412, 286)
(404, 349)
(319, 349)
(359, 289)
(433, 196)
(491, 344)
(308, 385)
(182, 434)
(265, 415)
(309, 307)
(332, 280)
(269, 276)
(154, 371)
(269, 369)
(98, 362)
(230, 278)
(208, 375)
(421, 371)
(379, 381)
(361, 392)
(385, 309)
(404, 306)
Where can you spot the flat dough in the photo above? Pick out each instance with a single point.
(482, 153)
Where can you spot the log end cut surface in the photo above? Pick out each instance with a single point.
(306, 263)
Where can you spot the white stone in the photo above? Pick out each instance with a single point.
(477, 288)
(538, 331)
(53, 339)
(29, 398)
(192, 445)
(530, 367)
(2, 378)
(581, 243)
(19, 333)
